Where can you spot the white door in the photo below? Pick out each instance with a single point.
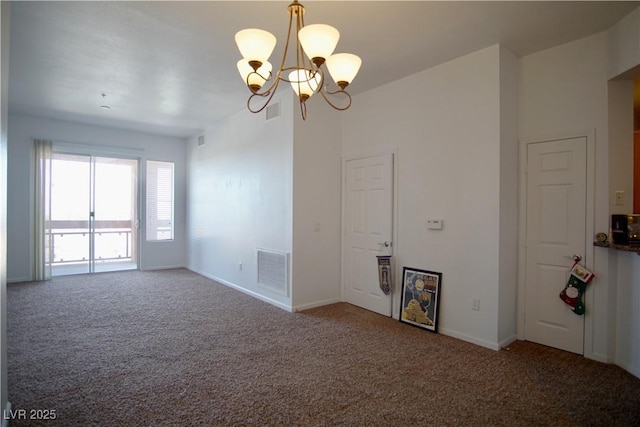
(556, 228)
(368, 227)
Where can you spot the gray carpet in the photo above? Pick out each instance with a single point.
(171, 348)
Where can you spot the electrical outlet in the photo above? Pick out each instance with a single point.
(475, 304)
(619, 197)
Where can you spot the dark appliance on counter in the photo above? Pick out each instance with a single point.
(625, 229)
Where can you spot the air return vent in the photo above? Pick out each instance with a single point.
(273, 271)
(272, 111)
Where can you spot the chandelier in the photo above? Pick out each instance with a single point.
(314, 45)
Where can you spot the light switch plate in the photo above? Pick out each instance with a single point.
(434, 224)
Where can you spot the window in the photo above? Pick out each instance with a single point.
(159, 201)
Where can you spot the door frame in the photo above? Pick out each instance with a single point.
(97, 150)
(589, 226)
(395, 293)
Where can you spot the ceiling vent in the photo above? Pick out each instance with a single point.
(273, 111)
(200, 140)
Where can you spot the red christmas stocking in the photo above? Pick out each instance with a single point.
(572, 294)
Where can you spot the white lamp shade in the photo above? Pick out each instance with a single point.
(255, 79)
(255, 44)
(318, 40)
(302, 82)
(343, 67)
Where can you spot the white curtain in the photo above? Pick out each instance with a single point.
(43, 238)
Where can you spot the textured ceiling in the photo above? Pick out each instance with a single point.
(169, 67)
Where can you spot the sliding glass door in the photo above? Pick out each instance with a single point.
(94, 212)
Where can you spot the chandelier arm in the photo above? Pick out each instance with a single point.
(259, 75)
(299, 50)
(264, 92)
(284, 77)
(303, 110)
(271, 89)
(269, 94)
(299, 53)
(286, 45)
(330, 92)
(326, 98)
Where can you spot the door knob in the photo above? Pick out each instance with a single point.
(574, 257)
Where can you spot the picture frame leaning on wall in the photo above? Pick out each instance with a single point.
(420, 298)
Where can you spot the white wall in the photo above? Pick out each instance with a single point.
(568, 88)
(5, 12)
(508, 272)
(240, 198)
(620, 99)
(624, 45)
(445, 123)
(22, 131)
(627, 349)
(624, 268)
(317, 172)
(564, 89)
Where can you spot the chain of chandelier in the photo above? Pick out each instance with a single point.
(314, 50)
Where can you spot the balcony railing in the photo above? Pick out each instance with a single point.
(71, 240)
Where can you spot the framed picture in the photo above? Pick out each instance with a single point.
(420, 297)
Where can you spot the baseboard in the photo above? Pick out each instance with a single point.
(5, 413)
(633, 370)
(473, 340)
(243, 290)
(507, 342)
(19, 279)
(315, 304)
(163, 267)
(598, 357)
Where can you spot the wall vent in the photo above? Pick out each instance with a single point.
(200, 140)
(273, 271)
(272, 111)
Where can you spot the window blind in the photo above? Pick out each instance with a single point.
(159, 200)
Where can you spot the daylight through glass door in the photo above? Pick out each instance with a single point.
(94, 213)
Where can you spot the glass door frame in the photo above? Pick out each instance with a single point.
(109, 228)
(116, 153)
